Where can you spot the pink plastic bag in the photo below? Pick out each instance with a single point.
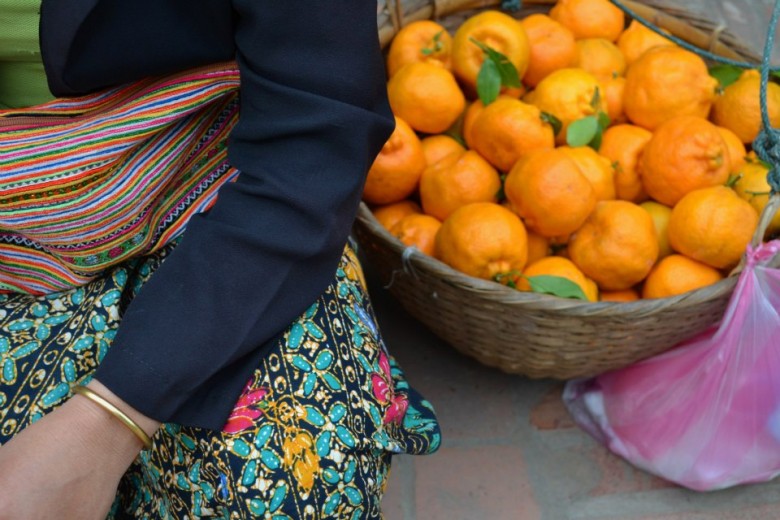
(706, 414)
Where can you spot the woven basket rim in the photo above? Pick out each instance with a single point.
(518, 299)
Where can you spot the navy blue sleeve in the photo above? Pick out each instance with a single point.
(313, 116)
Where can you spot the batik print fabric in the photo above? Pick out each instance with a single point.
(310, 437)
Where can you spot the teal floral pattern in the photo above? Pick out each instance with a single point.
(310, 437)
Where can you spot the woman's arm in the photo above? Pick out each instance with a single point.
(313, 116)
(68, 464)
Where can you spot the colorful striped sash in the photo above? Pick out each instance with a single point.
(88, 182)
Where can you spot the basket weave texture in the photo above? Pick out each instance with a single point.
(525, 333)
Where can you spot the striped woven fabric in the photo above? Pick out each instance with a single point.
(88, 182)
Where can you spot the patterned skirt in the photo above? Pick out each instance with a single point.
(310, 437)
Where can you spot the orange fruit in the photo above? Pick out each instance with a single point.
(389, 214)
(437, 147)
(397, 169)
(600, 57)
(507, 129)
(678, 274)
(553, 47)
(498, 31)
(418, 230)
(550, 193)
(569, 94)
(426, 96)
(421, 40)
(559, 266)
(684, 154)
(623, 145)
(458, 180)
(660, 215)
(616, 246)
(469, 116)
(614, 92)
(753, 187)
(737, 151)
(636, 39)
(712, 225)
(626, 295)
(596, 168)
(590, 18)
(538, 247)
(737, 107)
(482, 240)
(667, 82)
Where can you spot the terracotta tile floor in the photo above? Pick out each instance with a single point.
(510, 450)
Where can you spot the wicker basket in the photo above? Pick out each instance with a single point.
(526, 333)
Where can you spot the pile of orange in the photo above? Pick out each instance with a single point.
(663, 200)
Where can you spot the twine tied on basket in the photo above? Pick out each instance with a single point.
(406, 265)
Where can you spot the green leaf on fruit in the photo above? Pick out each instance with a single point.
(587, 131)
(496, 69)
(725, 74)
(488, 82)
(595, 101)
(582, 131)
(436, 47)
(552, 121)
(556, 286)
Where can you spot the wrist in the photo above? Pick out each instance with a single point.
(147, 424)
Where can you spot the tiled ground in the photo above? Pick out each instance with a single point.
(510, 451)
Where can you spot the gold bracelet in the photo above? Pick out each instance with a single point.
(116, 412)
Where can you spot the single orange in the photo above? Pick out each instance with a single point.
(678, 274)
(738, 109)
(496, 30)
(596, 168)
(636, 39)
(737, 150)
(569, 94)
(421, 40)
(538, 247)
(684, 154)
(482, 240)
(753, 187)
(553, 47)
(562, 267)
(666, 82)
(617, 246)
(614, 92)
(712, 225)
(458, 180)
(660, 215)
(469, 116)
(389, 214)
(417, 230)
(507, 129)
(590, 18)
(437, 147)
(626, 295)
(600, 57)
(396, 171)
(623, 145)
(426, 96)
(550, 193)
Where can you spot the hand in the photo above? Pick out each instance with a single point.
(68, 464)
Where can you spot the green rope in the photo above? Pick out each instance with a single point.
(511, 5)
(767, 144)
